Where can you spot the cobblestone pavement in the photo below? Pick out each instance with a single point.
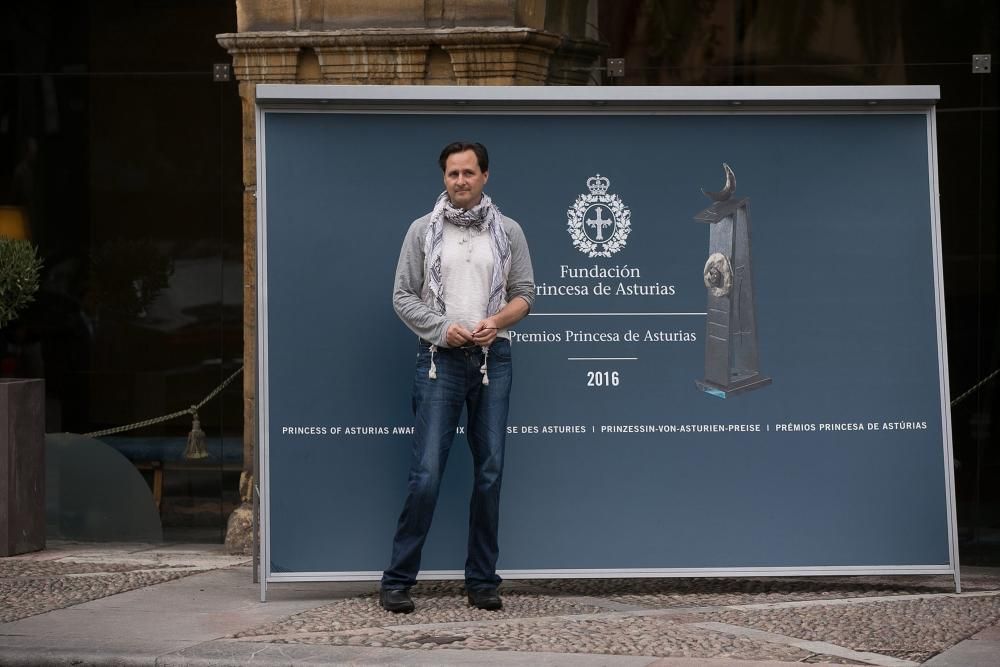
(890, 621)
(914, 629)
(66, 574)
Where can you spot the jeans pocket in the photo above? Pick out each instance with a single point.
(423, 358)
(500, 350)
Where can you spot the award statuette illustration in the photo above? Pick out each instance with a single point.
(731, 364)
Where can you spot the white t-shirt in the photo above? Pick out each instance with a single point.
(466, 272)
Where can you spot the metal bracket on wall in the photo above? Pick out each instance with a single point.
(616, 68)
(222, 72)
(981, 63)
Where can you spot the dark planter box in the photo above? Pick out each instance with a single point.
(22, 466)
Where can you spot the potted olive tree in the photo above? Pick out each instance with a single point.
(22, 415)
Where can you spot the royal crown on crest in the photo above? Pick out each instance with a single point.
(598, 184)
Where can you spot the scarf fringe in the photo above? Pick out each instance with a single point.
(482, 369)
(485, 215)
(433, 372)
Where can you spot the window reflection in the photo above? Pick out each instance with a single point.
(125, 162)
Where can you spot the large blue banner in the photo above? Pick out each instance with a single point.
(807, 280)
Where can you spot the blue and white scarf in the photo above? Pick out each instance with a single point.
(485, 215)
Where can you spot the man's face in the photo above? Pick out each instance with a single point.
(463, 180)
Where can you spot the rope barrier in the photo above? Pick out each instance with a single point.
(193, 410)
(975, 387)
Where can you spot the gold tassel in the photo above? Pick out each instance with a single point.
(196, 440)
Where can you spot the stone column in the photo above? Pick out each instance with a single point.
(411, 42)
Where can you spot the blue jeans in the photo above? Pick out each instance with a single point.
(437, 406)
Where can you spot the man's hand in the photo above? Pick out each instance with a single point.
(485, 332)
(458, 335)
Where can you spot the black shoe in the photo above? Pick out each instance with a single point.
(396, 600)
(485, 598)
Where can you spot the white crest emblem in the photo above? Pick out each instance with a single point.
(598, 223)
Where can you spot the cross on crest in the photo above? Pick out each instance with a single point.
(599, 223)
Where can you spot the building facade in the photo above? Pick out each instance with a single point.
(135, 171)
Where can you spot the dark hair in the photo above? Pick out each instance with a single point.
(482, 157)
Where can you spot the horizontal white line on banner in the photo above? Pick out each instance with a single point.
(602, 358)
(575, 314)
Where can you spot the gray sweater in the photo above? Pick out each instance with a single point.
(412, 301)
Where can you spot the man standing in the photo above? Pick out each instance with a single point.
(463, 278)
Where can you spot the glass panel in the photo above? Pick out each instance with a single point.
(93, 493)
(124, 157)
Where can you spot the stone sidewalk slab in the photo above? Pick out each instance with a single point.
(233, 654)
(223, 653)
(152, 621)
(980, 650)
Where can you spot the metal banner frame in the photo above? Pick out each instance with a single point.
(623, 100)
